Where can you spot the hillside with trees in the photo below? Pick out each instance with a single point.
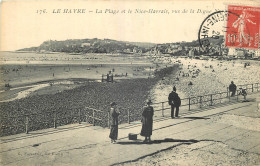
(91, 46)
(82, 46)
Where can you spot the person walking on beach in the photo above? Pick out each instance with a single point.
(175, 102)
(232, 88)
(147, 121)
(114, 113)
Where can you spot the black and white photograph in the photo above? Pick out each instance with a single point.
(122, 83)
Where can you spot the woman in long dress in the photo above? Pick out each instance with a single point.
(242, 24)
(147, 121)
(114, 113)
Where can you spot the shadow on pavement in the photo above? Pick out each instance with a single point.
(195, 118)
(138, 142)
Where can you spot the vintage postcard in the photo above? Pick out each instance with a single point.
(129, 82)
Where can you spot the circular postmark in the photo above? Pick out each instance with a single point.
(212, 31)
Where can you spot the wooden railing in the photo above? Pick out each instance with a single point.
(209, 99)
(93, 117)
(46, 119)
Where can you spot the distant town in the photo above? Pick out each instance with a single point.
(186, 49)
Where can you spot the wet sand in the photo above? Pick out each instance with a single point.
(42, 70)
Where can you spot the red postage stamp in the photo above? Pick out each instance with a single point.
(243, 27)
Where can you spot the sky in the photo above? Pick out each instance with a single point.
(23, 23)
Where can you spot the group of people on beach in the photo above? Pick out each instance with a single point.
(147, 117)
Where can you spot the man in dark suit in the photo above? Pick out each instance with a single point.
(175, 102)
(232, 88)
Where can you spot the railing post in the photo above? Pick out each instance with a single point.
(257, 87)
(128, 116)
(108, 119)
(79, 116)
(162, 109)
(200, 101)
(93, 116)
(227, 92)
(252, 87)
(26, 124)
(54, 121)
(86, 115)
(211, 99)
(237, 94)
(189, 103)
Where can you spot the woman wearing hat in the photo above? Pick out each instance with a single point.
(114, 113)
(147, 121)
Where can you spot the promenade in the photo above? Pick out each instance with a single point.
(226, 134)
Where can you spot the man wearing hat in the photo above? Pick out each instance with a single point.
(232, 88)
(147, 121)
(175, 102)
(114, 113)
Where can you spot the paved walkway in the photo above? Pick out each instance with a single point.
(235, 124)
